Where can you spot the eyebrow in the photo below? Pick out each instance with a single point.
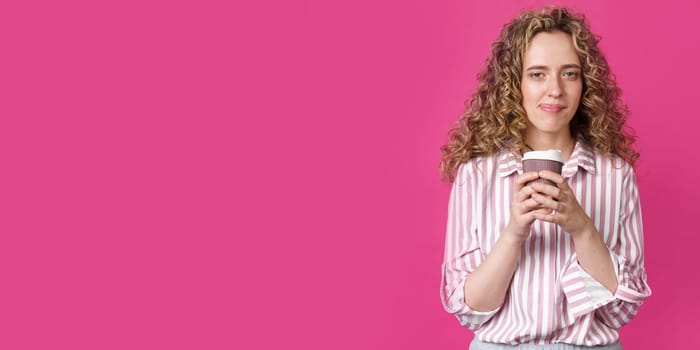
(566, 66)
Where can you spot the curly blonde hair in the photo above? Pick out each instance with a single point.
(495, 119)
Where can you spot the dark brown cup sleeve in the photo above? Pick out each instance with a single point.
(542, 164)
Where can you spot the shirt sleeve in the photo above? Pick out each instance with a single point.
(462, 254)
(584, 294)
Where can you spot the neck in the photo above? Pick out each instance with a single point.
(544, 141)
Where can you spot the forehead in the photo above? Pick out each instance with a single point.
(551, 49)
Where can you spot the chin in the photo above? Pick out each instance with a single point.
(551, 129)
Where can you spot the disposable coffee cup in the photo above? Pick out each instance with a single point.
(543, 160)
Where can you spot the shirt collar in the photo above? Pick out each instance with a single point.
(582, 157)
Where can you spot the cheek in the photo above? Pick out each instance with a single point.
(576, 92)
(530, 94)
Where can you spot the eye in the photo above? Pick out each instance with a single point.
(571, 74)
(536, 75)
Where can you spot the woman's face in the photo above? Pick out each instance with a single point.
(551, 83)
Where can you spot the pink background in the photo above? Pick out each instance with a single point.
(263, 175)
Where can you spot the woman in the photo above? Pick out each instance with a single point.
(535, 265)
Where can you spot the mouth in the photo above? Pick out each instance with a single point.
(554, 108)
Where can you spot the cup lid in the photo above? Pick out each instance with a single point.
(551, 154)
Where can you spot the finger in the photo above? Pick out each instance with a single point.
(530, 205)
(543, 211)
(519, 196)
(554, 177)
(546, 201)
(521, 180)
(525, 192)
(547, 189)
(526, 206)
(552, 217)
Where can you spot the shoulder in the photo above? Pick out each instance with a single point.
(479, 166)
(613, 164)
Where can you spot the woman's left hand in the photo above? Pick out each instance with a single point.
(567, 212)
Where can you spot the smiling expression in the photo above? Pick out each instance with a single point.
(551, 84)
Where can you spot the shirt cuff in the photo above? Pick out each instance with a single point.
(466, 315)
(599, 294)
(583, 292)
(631, 288)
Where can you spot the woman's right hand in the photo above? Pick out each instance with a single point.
(522, 207)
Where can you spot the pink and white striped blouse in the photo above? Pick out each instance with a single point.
(551, 298)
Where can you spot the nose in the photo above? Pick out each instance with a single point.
(554, 88)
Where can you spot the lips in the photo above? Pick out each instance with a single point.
(554, 108)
